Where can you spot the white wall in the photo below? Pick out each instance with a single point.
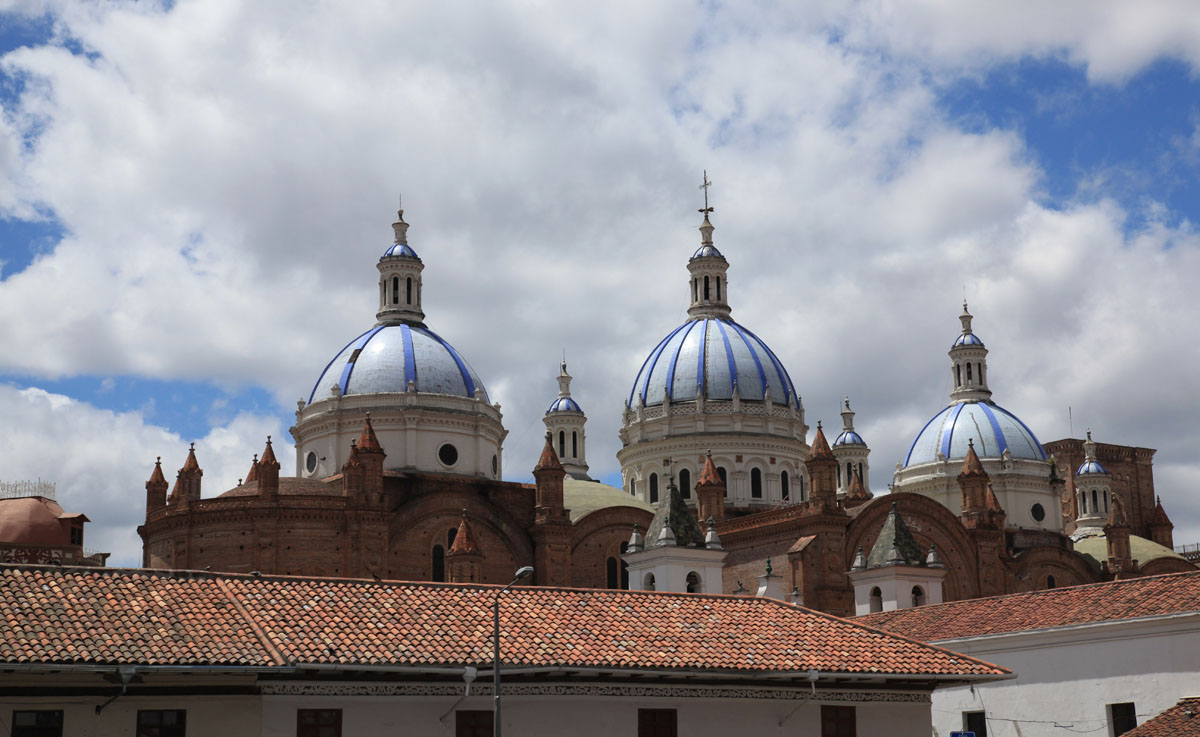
(1068, 676)
(223, 716)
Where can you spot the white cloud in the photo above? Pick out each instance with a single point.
(225, 172)
(100, 460)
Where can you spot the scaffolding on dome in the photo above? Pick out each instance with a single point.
(18, 489)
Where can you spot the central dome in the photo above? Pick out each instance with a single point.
(387, 357)
(710, 356)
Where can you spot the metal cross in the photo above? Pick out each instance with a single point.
(705, 187)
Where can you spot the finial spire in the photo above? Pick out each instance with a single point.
(707, 183)
(706, 228)
(400, 228)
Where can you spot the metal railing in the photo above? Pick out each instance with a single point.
(17, 489)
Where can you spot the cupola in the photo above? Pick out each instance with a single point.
(400, 280)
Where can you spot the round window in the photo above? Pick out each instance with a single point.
(448, 454)
(495, 465)
(310, 462)
(1038, 513)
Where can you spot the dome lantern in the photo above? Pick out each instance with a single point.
(400, 280)
(969, 364)
(708, 286)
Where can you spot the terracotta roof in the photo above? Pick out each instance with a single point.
(1159, 516)
(549, 459)
(464, 541)
(191, 464)
(710, 476)
(857, 490)
(1116, 513)
(156, 477)
(268, 456)
(76, 615)
(367, 442)
(820, 447)
(1181, 720)
(252, 474)
(971, 465)
(288, 485)
(1089, 604)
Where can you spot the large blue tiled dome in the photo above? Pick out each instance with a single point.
(387, 357)
(993, 428)
(709, 355)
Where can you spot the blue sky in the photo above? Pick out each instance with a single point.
(192, 198)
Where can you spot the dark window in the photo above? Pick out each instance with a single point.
(968, 373)
(472, 724)
(876, 600)
(562, 444)
(658, 722)
(653, 488)
(860, 473)
(693, 582)
(685, 485)
(724, 479)
(439, 563)
(495, 465)
(1095, 500)
(803, 492)
(957, 375)
(633, 486)
(1038, 512)
(448, 454)
(706, 288)
(77, 534)
(624, 567)
(839, 476)
(1122, 718)
(975, 721)
(310, 461)
(613, 573)
(1050, 582)
(37, 724)
(409, 290)
(785, 488)
(695, 289)
(838, 721)
(167, 723)
(395, 290)
(718, 289)
(453, 533)
(574, 444)
(318, 723)
(918, 596)
(756, 483)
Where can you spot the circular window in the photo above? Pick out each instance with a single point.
(495, 465)
(448, 454)
(1038, 513)
(310, 462)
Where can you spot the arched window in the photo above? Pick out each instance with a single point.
(1050, 582)
(409, 290)
(395, 290)
(1083, 502)
(803, 489)
(849, 472)
(785, 488)
(968, 373)
(653, 488)
(724, 478)
(860, 471)
(718, 289)
(876, 600)
(706, 297)
(1095, 500)
(453, 533)
(613, 578)
(685, 484)
(574, 444)
(562, 443)
(957, 374)
(756, 483)
(979, 371)
(439, 563)
(648, 582)
(1106, 500)
(695, 289)
(839, 476)
(918, 596)
(624, 566)
(632, 486)
(693, 582)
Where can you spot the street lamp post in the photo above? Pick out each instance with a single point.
(523, 572)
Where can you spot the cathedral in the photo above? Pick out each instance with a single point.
(399, 462)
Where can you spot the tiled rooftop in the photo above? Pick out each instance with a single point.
(108, 616)
(1099, 602)
(1181, 720)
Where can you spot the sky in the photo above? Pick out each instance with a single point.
(193, 196)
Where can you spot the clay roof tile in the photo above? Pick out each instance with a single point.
(464, 540)
(549, 459)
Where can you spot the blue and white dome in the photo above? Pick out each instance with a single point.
(849, 437)
(708, 356)
(564, 404)
(706, 250)
(1090, 466)
(993, 428)
(400, 250)
(387, 357)
(968, 339)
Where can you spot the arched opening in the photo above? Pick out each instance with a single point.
(803, 489)
(1050, 582)
(648, 582)
(785, 488)
(574, 444)
(685, 484)
(839, 477)
(724, 478)
(453, 533)
(860, 472)
(612, 580)
(968, 373)
(718, 289)
(409, 289)
(439, 564)
(653, 488)
(1095, 500)
(695, 290)
(706, 297)
(632, 486)
(876, 600)
(693, 582)
(562, 444)
(918, 596)
(624, 566)
(979, 371)
(756, 483)
(1106, 500)
(395, 290)
(957, 374)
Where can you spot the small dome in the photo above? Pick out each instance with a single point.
(1090, 467)
(564, 404)
(706, 251)
(400, 250)
(993, 428)
(32, 520)
(387, 357)
(709, 356)
(968, 339)
(849, 437)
